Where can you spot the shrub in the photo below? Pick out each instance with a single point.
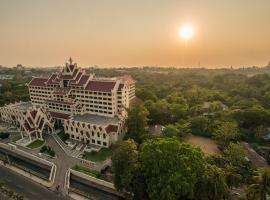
(4, 135)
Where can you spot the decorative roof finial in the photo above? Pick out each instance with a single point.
(70, 60)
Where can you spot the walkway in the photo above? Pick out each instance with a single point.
(62, 161)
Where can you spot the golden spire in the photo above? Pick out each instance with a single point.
(70, 60)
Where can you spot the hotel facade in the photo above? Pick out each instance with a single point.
(90, 109)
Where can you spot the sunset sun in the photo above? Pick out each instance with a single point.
(186, 32)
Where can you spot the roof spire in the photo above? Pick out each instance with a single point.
(70, 60)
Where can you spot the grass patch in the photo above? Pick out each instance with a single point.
(103, 154)
(15, 137)
(36, 144)
(87, 171)
(63, 136)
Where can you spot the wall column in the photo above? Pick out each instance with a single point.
(30, 136)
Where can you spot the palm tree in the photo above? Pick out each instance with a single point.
(260, 188)
(213, 186)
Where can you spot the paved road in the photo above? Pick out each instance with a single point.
(30, 189)
(63, 162)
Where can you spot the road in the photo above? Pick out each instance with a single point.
(30, 189)
(63, 162)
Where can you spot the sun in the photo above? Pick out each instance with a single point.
(186, 32)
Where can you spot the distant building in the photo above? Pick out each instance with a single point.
(6, 77)
(156, 130)
(90, 109)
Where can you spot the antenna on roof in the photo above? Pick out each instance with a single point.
(70, 60)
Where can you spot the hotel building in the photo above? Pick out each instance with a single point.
(90, 109)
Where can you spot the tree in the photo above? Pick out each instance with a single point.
(184, 127)
(236, 163)
(171, 130)
(125, 165)
(260, 132)
(145, 94)
(170, 168)
(179, 129)
(260, 188)
(215, 106)
(226, 132)
(137, 122)
(213, 186)
(252, 117)
(200, 126)
(235, 154)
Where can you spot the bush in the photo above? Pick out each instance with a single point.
(52, 153)
(43, 149)
(66, 137)
(47, 150)
(4, 135)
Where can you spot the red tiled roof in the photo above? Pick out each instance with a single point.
(83, 80)
(38, 82)
(120, 87)
(59, 115)
(66, 77)
(51, 79)
(71, 67)
(30, 120)
(100, 86)
(75, 72)
(77, 78)
(33, 113)
(27, 127)
(41, 123)
(111, 128)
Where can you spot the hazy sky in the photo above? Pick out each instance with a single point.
(134, 32)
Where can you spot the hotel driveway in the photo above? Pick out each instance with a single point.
(63, 162)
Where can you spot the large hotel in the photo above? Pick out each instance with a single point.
(90, 109)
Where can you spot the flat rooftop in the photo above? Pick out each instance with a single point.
(22, 106)
(95, 119)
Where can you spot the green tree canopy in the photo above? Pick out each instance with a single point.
(137, 122)
(171, 169)
(125, 165)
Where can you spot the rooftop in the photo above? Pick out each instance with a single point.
(21, 106)
(95, 119)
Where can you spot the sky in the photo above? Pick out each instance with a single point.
(128, 33)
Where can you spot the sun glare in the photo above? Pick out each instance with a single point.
(186, 32)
